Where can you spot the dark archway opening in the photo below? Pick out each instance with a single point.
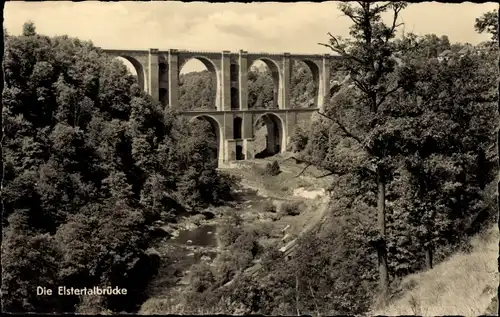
(268, 136)
(163, 96)
(239, 153)
(163, 83)
(237, 125)
(235, 100)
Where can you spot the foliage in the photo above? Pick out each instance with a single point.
(291, 208)
(90, 162)
(273, 169)
(299, 138)
(268, 206)
(420, 149)
(197, 90)
(488, 22)
(201, 277)
(229, 230)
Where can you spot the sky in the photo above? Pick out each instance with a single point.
(255, 27)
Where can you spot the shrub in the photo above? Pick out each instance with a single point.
(247, 242)
(228, 233)
(292, 208)
(197, 219)
(299, 139)
(273, 168)
(201, 277)
(225, 267)
(268, 206)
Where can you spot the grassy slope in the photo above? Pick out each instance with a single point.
(464, 284)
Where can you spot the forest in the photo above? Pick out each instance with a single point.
(90, 163)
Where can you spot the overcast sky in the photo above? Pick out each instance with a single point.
(255, 27)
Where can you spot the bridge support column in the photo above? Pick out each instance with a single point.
(288, 129)
(225, 88)
(324, 82)
(173, 78)
(243, 80)
(153, 73)
(286, 70)
(231, 150)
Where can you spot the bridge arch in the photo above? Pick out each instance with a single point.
(217, 129)
(314, 69)
(139, 69)
(276, 138)
(214, 71)
(275, 70)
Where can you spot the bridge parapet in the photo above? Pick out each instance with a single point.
(265, 54)
(124, 52)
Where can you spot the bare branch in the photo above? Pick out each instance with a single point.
(387, 94)
(328, 174)
(346, 132)
(334, 38)
(356, 20)
(303, 170)
(361, 85)
(397, 9)
(314, 298)
(299, 161)
(341, 52)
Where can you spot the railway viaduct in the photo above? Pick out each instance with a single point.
(233, 122)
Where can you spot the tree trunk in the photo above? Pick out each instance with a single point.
(297, 293)
(428, 256)
(381, 247)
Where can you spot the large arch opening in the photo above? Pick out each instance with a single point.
(210, 129)
(135, 69)
(304, 86)
(163, 83)
(269, 135)
(263, 85)
(198, 82)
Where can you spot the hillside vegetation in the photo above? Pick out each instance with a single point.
(465, 284)
(98, 178)
(90, 162)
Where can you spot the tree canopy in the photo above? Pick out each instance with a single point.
(90, 161)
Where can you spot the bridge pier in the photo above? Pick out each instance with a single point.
(158, 75)
(173, 78)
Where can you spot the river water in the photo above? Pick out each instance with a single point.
(203, 236)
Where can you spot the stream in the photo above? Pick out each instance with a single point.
(190, 244)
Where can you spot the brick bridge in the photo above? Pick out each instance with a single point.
(234, 124)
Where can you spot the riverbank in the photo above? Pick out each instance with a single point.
(193, 239)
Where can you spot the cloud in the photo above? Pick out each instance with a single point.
(272, 27)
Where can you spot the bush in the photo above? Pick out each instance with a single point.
(201, 277)
(299, 139)
(268, 206)
(292, 208)
(247, 242)
(225, 267)
(273, 168)
(227, 234)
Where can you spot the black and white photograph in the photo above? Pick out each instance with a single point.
(260, 158)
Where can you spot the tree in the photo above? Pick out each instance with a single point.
(29, 29)
(362, 123)
(90, 161)
(488, 23)
(453, 160)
